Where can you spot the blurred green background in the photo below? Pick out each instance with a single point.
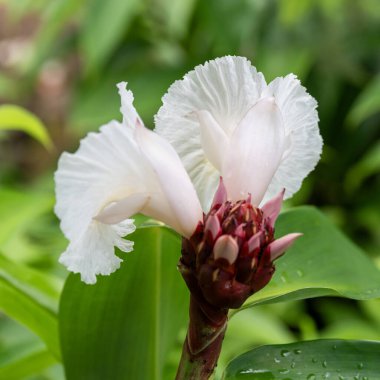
(61, 59)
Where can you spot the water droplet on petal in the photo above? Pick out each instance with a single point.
(314, 360)
(297, 351)
(326, 375)
(277, 360)
(293, 365)
(324, 364)
(311, 377)
(360, 366)
(283, 371)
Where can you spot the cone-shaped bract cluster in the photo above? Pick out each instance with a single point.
(230, 256)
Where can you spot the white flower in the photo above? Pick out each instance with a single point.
(123, 170)
(223, 119)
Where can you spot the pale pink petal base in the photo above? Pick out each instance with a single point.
(279, 246)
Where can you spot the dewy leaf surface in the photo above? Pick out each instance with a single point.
(322, 262)
(124, 326)
(319, 359)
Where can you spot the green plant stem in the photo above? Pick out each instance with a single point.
(203, 342)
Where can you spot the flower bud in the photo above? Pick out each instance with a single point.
(231, 254)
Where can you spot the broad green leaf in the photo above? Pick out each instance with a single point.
(323, 262)
(124, 326)
(249, 328)
(367, 104)
(311, 360)
(18, 305)
(13, 117)
(103, 27)
(27, 366)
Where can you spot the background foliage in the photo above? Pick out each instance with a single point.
(61, 60)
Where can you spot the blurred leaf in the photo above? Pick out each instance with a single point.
(322, 262)
(55, 17)
(37, 284)
(372, 309)
(367, 166)
(99, 103)
(124, 326)
(367, 104)
(19, 209)
(354, 328)
(177, 14)
(281, 62)
(16, 118)
(292, 11)
(104, 25)
(31, 364)
(16, 304)
(308, 360)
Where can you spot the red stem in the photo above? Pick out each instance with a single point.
(203, 342)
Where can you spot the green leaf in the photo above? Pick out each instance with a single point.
(14, 225)
(124, 326)
(55, 17)
(18, 305)
(16, 118)
(31, 364)
(323, 262)
(37, 284)
(319, 359)
(367, 166)
(177, 14)
(103, 27)
(367, 104)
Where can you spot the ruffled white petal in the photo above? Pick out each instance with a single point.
(92, 253)
(101, 172)
(130, 115)
(304, 142)
(225, 87)
(108, 180)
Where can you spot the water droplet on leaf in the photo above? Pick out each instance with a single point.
(299, 272)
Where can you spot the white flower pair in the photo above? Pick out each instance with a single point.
(221, 119)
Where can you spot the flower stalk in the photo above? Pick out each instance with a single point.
(203, 343)
(229, 257)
